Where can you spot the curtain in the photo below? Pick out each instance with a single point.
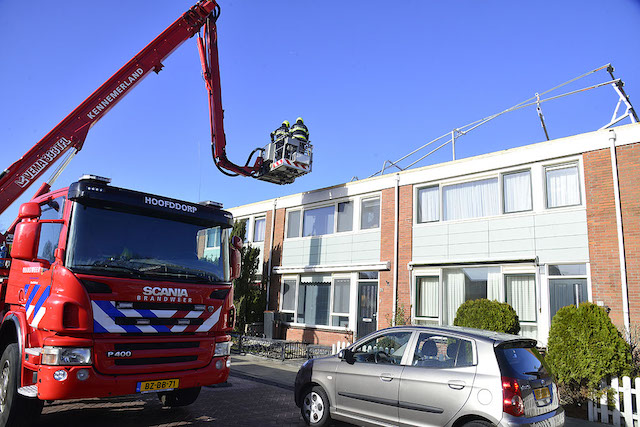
(345, 216)
(454, 291)
(471, 199)
(341, 291)
(427, 298)
(521, 295)
(313, 303)
(428, 204)
(293, 224)
(494, 290)
(258, 232)
(563, 188)
(517, 191)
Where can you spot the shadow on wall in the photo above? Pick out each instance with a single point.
(272, 279)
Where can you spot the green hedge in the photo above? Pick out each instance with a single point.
(489, 315)
(585, 347)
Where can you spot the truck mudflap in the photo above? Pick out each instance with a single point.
(84, 382)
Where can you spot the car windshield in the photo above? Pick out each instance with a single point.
(113, 243)
(522, 363)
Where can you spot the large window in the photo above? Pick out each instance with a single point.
(469, 283)
(567, 286)
(318, 221)
(516, 189)
(471, 199)
(520, 290)
(345, 216)
(317, 300)
(563, 186)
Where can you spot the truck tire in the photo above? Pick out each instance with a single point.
(180, 397)
(15, 410)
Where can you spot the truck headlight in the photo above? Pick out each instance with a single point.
(66, 356)
(222, 349)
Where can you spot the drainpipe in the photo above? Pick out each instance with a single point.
(395, 249)
(273, 233)
(621, 250)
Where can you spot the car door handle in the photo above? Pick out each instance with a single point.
(456, 384)
(386, 377)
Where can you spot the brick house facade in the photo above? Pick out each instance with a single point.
(535, 226)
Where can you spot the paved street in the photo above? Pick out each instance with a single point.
(243, 402)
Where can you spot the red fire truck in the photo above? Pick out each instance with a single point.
(112, 292)
(108, 291)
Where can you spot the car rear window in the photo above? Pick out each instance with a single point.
(521, 362)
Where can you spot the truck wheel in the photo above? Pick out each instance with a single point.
(180, 397)
(15, 409)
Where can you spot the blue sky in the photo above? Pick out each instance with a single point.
(373, 80)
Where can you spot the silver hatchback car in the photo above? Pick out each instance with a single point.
(431, 376)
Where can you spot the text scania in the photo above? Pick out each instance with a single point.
(157, 294)
(169, 204)
(43, 161)
(107, 100)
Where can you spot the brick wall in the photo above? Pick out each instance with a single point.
(385, 286)
(276, 255)
(405, 237)
(629, 173)
(317, 336)
(602, 227)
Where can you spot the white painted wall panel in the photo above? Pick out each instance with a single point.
(332, 249)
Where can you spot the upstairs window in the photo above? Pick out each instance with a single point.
(258, 229)
(517, 191)
(563, 187)
(318, 221)
(471, 199)
(345, 216)
(429, 204)
(370, 213)
(293, 224)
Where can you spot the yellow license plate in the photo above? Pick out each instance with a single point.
(542, 393)
(157, 385)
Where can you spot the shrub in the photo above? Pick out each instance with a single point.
(584, 348)
(489, 315)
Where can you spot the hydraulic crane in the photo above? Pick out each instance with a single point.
(70, 134)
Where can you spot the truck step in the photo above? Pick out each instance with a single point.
(29, 390)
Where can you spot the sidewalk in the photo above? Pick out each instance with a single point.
(283, 374)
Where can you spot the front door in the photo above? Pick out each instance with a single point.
(367, 308)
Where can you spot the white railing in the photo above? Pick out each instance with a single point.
(622, 412)
(335, 348)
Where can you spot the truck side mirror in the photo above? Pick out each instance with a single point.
(235, 258)
(24, 241)
(29, 210)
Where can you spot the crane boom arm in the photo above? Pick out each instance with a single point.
(72, 130)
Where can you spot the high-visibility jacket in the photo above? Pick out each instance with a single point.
(280, 132)
(300, 131)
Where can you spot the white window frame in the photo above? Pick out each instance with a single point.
(502, 198)
(359, 213)
(295, 295)
(332, 311)
(286, 223)
(564, 165)
(253, 234)
(334, 203)
(417, 203)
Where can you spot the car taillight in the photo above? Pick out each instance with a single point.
(512, 402)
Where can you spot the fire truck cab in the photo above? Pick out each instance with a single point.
(111, 292)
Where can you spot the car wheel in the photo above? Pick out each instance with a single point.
(315, 407)
(180, 397)
(14, 408)
(477, 423)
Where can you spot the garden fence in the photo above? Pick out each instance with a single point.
(626, 404)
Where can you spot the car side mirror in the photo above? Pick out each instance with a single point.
(347, 356)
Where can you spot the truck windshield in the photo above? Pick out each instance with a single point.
(113, 243)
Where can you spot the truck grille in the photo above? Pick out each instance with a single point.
(124, 317)
(151, 354)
